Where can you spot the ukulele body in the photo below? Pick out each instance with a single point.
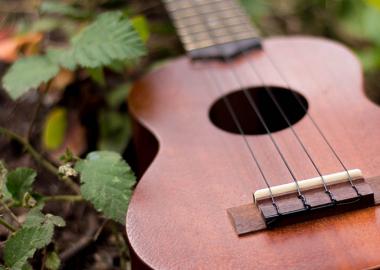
(177, 218)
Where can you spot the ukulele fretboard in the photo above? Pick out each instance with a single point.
(208, 23)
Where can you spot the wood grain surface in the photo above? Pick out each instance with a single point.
(177, 217)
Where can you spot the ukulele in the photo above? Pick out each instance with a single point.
(259, 153)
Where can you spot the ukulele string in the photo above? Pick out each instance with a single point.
(294, 132)
(283, 114)
(269, 133)
(255, 108)
(238, 125)
(319, 130)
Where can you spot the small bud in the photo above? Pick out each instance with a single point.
(67, 170)
(28, 200)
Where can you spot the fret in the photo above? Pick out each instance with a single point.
(183, 25)
(207, 12)
(234, 29)
(206, 23)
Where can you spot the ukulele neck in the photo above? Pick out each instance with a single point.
(213, 28)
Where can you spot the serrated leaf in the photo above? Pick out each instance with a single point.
(56, 7)
(107, 182)
(54, 129)
(19, 182)
(34, 218)
(24, 243)
(62, 57)
(111, 37)
(28, 73)
(56, 220)
(52, 261)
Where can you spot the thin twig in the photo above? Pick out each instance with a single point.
(43, 259)
(38, 157)
(7, 225)
(70, 182)
(123, 248)
(100, 229)
(9, 211)
(69, 198)
(41, 94)
(83, 242)
(29, 148)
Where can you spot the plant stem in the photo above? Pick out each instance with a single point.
(38, 157)
(123, 248)
(7, 225)
(9, 211)
(69, 198)
(69, 182)
(29, 148)
(41, 94)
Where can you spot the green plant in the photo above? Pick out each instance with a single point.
(110, 40)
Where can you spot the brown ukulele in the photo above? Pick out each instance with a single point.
(264, 153)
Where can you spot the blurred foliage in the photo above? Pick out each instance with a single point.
(73, 42)
(55, 128)
(80, 38)
(356, 23)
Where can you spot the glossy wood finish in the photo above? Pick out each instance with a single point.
(177, 217)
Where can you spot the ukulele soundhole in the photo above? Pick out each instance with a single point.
(248, 118)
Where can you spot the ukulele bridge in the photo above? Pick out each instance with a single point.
(313, 198)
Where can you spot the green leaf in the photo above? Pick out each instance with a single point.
(35, 218)
(97, 75)
(107, 182)
(142, 27)
(256, 8)
(61, 8)
(62, 57)
(52, 261)
(20, 182)
(44, 25)
(370, 58)
(24, 243)
(111, 37)
(363, 22)
(55, 127)
(374, 3)
(119, 95)
(27, 73)
(56, 220)
(27, 266)
(115, 131)
(36, 232)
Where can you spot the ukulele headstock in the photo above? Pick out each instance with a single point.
(212, 29)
